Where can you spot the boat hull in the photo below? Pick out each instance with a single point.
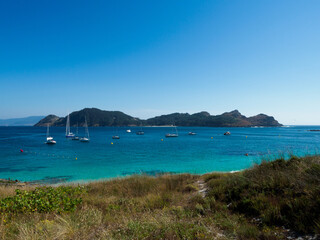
(171, 135)
(84, 140)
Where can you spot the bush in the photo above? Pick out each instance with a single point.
(279, 192)
(43, 200)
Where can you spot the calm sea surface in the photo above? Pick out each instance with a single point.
(207, 151)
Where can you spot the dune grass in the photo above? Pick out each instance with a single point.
(279, 193)
(253, 204)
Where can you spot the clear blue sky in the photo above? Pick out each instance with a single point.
(147, 58)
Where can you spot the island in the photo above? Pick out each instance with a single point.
(101, 118)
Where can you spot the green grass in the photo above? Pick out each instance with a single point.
(279, 193)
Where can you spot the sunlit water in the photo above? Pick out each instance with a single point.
(151, 153)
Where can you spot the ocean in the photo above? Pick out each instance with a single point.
(151, 153)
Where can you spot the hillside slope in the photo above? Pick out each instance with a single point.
(96, 117)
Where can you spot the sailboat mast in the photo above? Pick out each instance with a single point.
(86, 125)
(68, 125)
(48, 130)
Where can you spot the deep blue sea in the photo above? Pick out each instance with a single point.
(151, 153)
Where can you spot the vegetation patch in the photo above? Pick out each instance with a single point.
(253, 204)
(280, 193)
(43, 200)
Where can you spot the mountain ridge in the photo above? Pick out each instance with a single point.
(100, 118)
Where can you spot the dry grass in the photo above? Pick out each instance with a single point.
(6, 191)
(280, 193)
(169, 207)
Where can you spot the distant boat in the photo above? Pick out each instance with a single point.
(116, 136)
(69, 134)
(49, 139)
(173, 134)
(86, 138)
(140, 132)
(77, 134)
(128, 131)
(192, 133)
(227, 133)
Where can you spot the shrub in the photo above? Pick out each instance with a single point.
(43, 199)
(279, 192)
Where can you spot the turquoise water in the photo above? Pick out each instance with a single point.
(208, 151)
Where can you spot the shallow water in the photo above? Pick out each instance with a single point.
(207, 151)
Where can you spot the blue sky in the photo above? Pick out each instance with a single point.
(147, 58)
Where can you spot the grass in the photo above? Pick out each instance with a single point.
(253, 204)
(280, 193)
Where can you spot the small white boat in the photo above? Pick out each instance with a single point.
(76, 136)
(192, 133)
(49, 139)
(69, 134)
(86, 138)
(140, 132)
(173, 134)
(116, 132)
(128, 131)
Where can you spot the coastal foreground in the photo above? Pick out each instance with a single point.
(273, 200)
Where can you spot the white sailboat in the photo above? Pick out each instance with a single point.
(49, 139)
(86, 138)
(77, 134)
(69, 134)
(116, 136)
(173, 134)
